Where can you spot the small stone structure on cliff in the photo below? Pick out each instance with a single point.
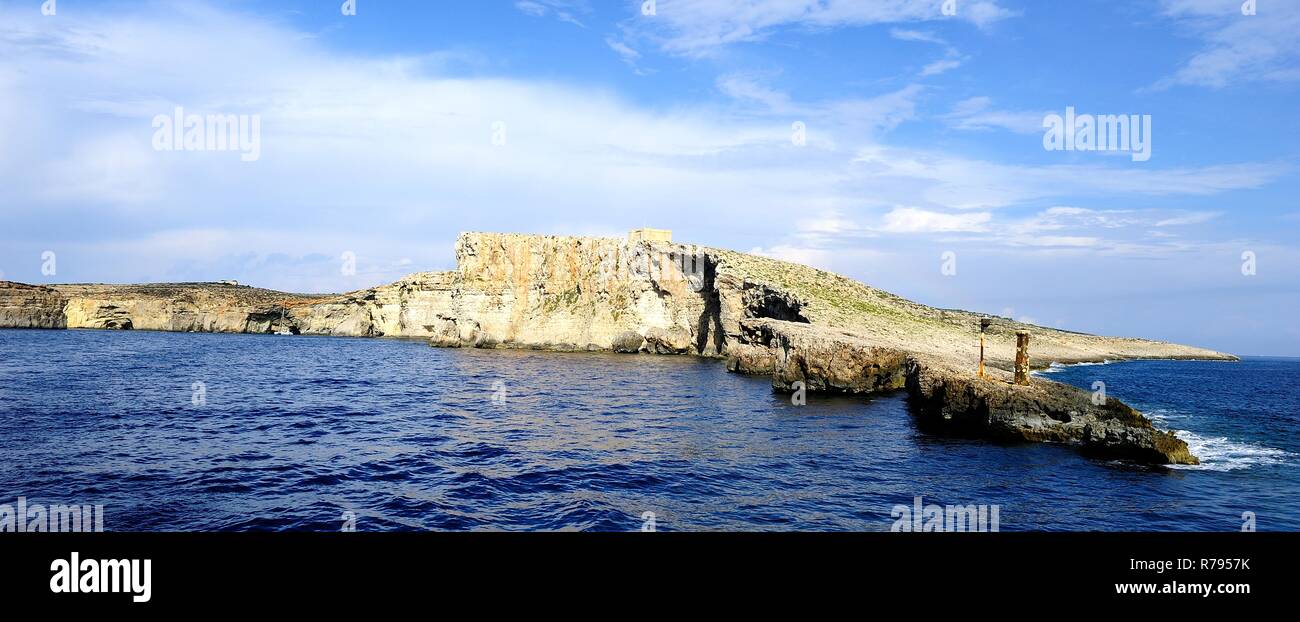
(646, 234)
(765, 316)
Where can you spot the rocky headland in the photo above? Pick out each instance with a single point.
(647, 294)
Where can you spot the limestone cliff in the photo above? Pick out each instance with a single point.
(557, 292)
(30, 306)
(647, 294)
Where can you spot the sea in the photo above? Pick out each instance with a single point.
(221, 432)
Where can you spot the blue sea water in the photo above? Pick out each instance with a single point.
(303, 433)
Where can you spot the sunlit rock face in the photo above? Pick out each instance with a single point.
(509, 290)
(805, 328)
(583, 293)
(30, 306)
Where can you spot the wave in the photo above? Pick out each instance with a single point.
(1223, 454)
(1220, 453)
(1056, 367)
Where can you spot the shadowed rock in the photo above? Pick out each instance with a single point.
(790, 322)
(952, 401)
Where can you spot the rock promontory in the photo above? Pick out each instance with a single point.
(648, 294)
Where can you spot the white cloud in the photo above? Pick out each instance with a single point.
(561, 9)
(628, 54)
(387, 149)
(1237, 48)
(536, 9)
(815, 257)
(976, 113)
(903, 34)
(695, 27)
(855, 118)
(1065, 217)
(1193, 218)
(953, 59)
(390, 157)
(905, 176)
(1055, 240)
(747, 87)
(912, 220)
(941, 66)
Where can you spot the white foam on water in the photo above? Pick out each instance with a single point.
(1220, 453)
(1217, 453)
(1055, 367)
(1223, 454)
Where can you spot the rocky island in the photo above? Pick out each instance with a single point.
(803, 327)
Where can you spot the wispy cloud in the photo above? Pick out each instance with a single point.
(964, 183)
(903, 34)
(977, 113)
(952, 60)
(747, 87)
(848, 118)
(629, 55)
(696, 27)
(941, 66)
(912, 220)
(1237, 47)
(1191, 218)
(563, 10)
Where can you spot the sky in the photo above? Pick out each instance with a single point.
(898, 142)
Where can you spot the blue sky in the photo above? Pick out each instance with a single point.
(924, 136)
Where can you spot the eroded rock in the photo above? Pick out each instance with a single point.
(31, 306)
(673, 340)
(789, 322)
(628, 342)
(952, 401)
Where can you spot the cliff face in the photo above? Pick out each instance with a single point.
(30, 306)
(566, 293)
(792, 322)
(176, 307)
(560, 293)
(576, 293)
